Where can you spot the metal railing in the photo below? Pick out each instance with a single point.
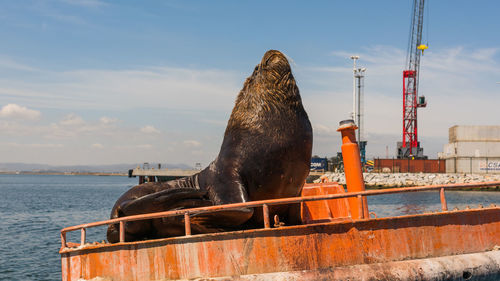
(265, 207)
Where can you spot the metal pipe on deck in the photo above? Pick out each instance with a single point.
(82, 236)
(187, 224)
(265, 213)
(352, 168)
(122, 231)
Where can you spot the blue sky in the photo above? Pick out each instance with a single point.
(102, 82)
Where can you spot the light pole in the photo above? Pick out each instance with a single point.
(353, 115)
(357, 105)
(359, 74)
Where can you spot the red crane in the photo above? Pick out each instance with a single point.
(410, 146)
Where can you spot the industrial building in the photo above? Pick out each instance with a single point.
(473, 149)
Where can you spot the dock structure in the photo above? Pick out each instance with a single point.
(159, 175)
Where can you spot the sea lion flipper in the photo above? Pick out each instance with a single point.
(161, 201)
(170, 199)
(230, 192)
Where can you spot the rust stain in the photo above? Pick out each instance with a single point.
(290, 248)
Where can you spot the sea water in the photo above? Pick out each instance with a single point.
(34, 208)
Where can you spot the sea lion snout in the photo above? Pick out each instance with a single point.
(275, 60)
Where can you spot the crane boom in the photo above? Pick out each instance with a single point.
(410, 146)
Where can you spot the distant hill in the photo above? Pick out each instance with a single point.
(116, 168)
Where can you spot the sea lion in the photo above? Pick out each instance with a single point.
(265, 154)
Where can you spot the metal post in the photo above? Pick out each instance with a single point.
(63, 239)
(360, 207)
(83, 237)
(187, 224)
(122, 231)
(265, 213)
(444, 205)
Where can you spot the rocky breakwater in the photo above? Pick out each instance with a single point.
(381, 180)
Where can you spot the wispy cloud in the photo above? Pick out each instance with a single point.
(85, 3)
(12, 110)
(108, 120)
(192, 143)
(486, 54)
(34, 145)
(97, 145)
(11, 64)
(72, 120)
(150, 130)
(71, 19)
(165, 87)
(134, 146)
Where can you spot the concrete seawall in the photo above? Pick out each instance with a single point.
(414, 179)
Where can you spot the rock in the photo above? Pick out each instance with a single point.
(408, 179)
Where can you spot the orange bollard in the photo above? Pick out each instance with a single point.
(352, 169)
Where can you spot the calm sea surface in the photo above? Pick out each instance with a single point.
(33, 209)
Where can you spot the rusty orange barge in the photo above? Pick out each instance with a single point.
(338, 240)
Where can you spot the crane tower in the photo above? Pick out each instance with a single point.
(410, 146)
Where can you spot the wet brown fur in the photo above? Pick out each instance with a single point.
(265, 154)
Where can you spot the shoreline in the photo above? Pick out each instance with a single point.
(368, 186)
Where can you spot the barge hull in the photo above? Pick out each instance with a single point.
(479, 266)
(325, 249)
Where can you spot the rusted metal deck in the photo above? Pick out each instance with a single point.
(314, 249)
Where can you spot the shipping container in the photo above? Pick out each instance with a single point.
(319, 164)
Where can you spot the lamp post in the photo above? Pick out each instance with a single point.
(353, 115)
(359, 74)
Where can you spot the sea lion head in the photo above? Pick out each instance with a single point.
(273, 76)
(271, 83)
(274, 64)
(269, 90)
